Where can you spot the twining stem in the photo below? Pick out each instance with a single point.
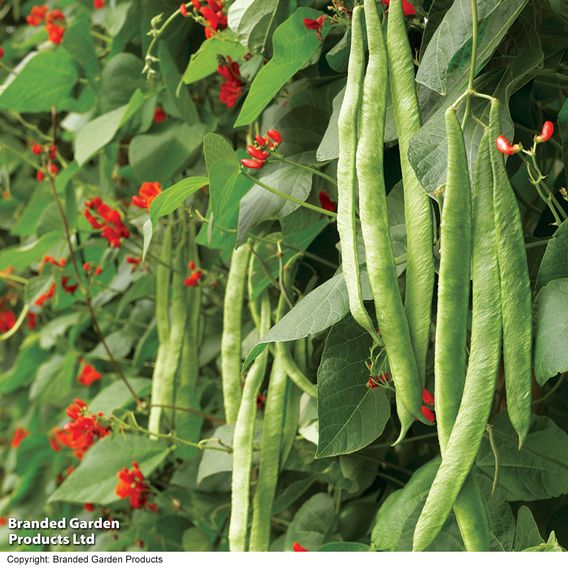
(16, 325)
(495, 455)
(314, 171)
(290, 198)
(471, 80)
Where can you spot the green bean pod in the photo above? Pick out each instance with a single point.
(163, 275)
(346, 176)
(270, 456)
(381, 265)
(417, 207)
(231, 338)
(460, 451)
(453, 284)
(243, 441)
(516, 296)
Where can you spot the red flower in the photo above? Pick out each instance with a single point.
(297, 547)
(148, 191)
(113, 228)
(191, 265)
(86, 266)
(89, 375)
(232, 86)
(132, 485)
(98, 4)
(427, 397)
(257, 153)
(183, 10)
(37, 15)
(32, 320)
(47, 259)
(428, 413)
(18, 436)
(39, 176)
(215, 19)
(315, 25)
(53, 152)
(37, 149)
(134, 260)
(89, 506)
(7, 321)
(407, 8)
(53, 169)
(159, 114)
(374, 382)
(3, 521)
(80, 434)
(546, 132)
(1, 55)
(45, 296)
(252, 163)
(194, 278)
(69, 288)
(274, 135)
(505, 147)
(326, 202)
(98, 271)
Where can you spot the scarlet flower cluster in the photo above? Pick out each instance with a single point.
(80, 434)
(195, 277)
(47, 259)
(113, 228)
(19, 435)
(53, 19)
(326, 202)
(7, 320)
(147, 192)
(428, 400)
(259, 152)
(315, 25)
(407, 8)
(69, 288)
(45, 296)
(232, 86)
(132, 485)
(89, 375)
(39, 149)
(212, 12)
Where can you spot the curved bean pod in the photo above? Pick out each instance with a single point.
(516, 295)
(381, 265)
(461, 449)
(231, 338)
(417, 208)
(346, 176)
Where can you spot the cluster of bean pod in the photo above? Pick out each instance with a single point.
(481, 239)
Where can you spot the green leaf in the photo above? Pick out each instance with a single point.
(537, 471)
(30, 357)
(100, 131)
(94, 481)
(54, 380)
(342, 546)
(554, 263)
(21, 257)
(214, 470)
(258, 204)
(157, 156)
(79, 43)
(449, 50)
(563, 126)
(206, 59)
(294, 47)
(318, 311)
(195, 540)
(117, 395)
(120, 78)
(313, 524)
(41, 81)
(551, 545)
(350, 414)
(527, 533)
(550, 356)
(251, 21)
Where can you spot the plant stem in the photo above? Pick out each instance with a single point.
(290, 198)
(471, 80)
(307, 168)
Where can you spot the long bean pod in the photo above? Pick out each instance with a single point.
(231, 338)
(516, 296)
(381, 265)
(243, 441)
(463, 445)
(346, 176)
(417, 207)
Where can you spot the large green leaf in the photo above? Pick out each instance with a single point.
(314, 523)
(551, 356)
(99, 132)
(117, 395)
(318, 311)
(41, 81)
(526, 533)
(554, 263)
(251, 21)
(79, 43)
(206, 59)
(294, 47)
(449, 50)
(21, 257)
(94, 481)
(350, 415)
(538, 471)
(23, 368)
